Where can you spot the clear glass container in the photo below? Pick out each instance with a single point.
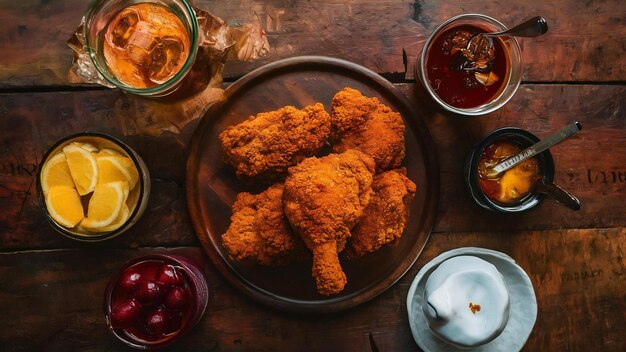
(101, 12)
(145, 268)
(512, 49)
(138, 196)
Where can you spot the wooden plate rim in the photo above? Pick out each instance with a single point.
(327, 305)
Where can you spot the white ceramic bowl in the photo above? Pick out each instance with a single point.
(522, 311)
(466, 301)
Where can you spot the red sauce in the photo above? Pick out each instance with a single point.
(457, 87)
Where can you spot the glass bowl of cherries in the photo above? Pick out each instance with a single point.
(155, 299)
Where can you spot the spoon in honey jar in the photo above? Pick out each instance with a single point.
(533, 150)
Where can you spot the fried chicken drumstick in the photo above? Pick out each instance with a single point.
(363, 123)
(386, 214)
(323, 198)
(270, 142)
(259, 230)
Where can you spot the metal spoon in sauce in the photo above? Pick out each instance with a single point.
(533, 27)
(534, 149)
(557, 193)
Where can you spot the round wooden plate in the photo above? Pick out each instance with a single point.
(212, 186)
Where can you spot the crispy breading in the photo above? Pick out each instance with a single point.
(259, 230)
(363, 123)
(269, 143)
(323, 198)
(387, 213)
(349, 108)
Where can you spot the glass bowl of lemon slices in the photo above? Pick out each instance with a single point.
(92, 186)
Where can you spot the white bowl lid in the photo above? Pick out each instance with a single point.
(523, 304)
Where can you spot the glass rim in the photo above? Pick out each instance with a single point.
(94, 237)
(195, 278)
(483, 109)
(160, 88)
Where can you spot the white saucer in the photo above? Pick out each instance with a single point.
(523, 304)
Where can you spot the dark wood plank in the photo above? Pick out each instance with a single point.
(165, 223)
(52, 300)
(585, 42)
(590, 165)
(32, 123)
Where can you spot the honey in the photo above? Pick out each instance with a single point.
(513, 185)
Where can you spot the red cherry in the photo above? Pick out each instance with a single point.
(129, 280)
(157, 322)
(149, 292)
(175, 322)
(168, 275)
(177, 298)
(125, 313)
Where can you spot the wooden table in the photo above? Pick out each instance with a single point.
(51, 287)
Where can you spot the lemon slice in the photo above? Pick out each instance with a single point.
(83, 167)
(89, 147)
(105, 204)
(116, 224)
(63, 204)
(56, 172)
(115, 168)
(133, 199)
(109, 151)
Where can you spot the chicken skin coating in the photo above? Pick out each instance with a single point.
(386, 215)
(270, 142)
(350, 109)
(363, 123)
(259, 231)
(323, 198)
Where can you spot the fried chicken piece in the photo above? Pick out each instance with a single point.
(349, 109)
(386, 214)
(270, 142)
(323, 198)
(259, 230)
(363, 123)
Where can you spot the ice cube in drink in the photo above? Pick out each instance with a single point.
(145, 45)
(122, 30)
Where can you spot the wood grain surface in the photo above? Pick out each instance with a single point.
(54, 300)
(590, 164)
(585, 41)
(576, 265)
(52, 287)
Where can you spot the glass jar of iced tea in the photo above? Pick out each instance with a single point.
(144, 47)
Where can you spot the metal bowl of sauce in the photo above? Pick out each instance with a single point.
(513, 190)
